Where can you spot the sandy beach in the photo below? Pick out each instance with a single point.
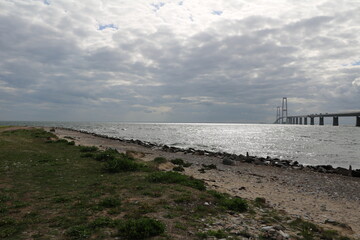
(318, 197)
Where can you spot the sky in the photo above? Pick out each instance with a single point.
(177, 61)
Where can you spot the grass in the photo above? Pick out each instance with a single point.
(140, 228)
(235, 204)
(180, 162)
(52, 189)
(160, 160)
(177, 178)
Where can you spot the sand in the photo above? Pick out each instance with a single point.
(311, 195)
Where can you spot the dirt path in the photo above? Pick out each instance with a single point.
(314, 196)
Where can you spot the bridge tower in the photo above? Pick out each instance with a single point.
(284, 112)
(278, 114)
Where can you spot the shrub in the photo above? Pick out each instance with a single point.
(110, 202)
(71, 143)
(260, 202)
(88, 149)
(177, 161)
(174, 177)
(101, 222)
(87, 155)
(140, 228)
(209, 167)
(178, 169)
(180, 162)
(105, 156)
(304, 225)
(160, 160)
(235, 204)
(79, 232)
(116, 165)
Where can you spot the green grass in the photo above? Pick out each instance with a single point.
(140, 228)
(160, 160)
(52, 189)
(174, 177)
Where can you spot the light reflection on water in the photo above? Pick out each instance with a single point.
(314, 145)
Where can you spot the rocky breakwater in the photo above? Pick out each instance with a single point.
(234, 159)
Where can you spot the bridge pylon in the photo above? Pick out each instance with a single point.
(278, 111)
(284, 112)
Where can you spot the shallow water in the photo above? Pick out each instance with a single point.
(309, 145)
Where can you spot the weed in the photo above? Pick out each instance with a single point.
(140, 228)
(87, 155)
(209, 167)
(234, 204)
(110, 202)
(105, 156)
(79, 232)
(183, 199)
(260, 202)
(178, 169)
(180, 162)
(61, 200)
(61, 141)
(180, 225)
(88, 149)
(174, 177)
(177, 161)
(9, 227)
(101, 222)
(329, 234)
(160, 160)
(116, 165)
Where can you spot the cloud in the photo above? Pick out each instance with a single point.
(176, 61)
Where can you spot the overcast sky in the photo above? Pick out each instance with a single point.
(177, 61)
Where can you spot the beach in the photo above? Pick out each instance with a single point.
(322, 198)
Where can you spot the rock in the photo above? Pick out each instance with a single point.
(284, 235)
(267, 228)
(229, 162)
(342, 171)
(335, 223)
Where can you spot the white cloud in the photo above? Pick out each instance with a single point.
(167, 55)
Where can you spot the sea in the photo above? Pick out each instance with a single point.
(309, 145)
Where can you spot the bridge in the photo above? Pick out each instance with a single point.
(283, 118)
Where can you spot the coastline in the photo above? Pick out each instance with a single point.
(316, 196)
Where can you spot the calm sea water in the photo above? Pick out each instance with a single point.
(309, 145)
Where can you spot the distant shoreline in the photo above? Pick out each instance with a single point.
(233, 159)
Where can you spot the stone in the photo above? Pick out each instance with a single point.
(267, 228)
(229, 162)
(284, 235)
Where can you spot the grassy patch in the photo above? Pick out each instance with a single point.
(180, 162)
(88, 149)
(230, 203)
(140, 228)
(122, 164)
(160, 160)
(110, 202)
(50, 190)
(174, 177)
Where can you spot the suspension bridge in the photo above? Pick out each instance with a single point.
(282, 116)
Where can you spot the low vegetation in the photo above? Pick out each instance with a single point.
(52, 189)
